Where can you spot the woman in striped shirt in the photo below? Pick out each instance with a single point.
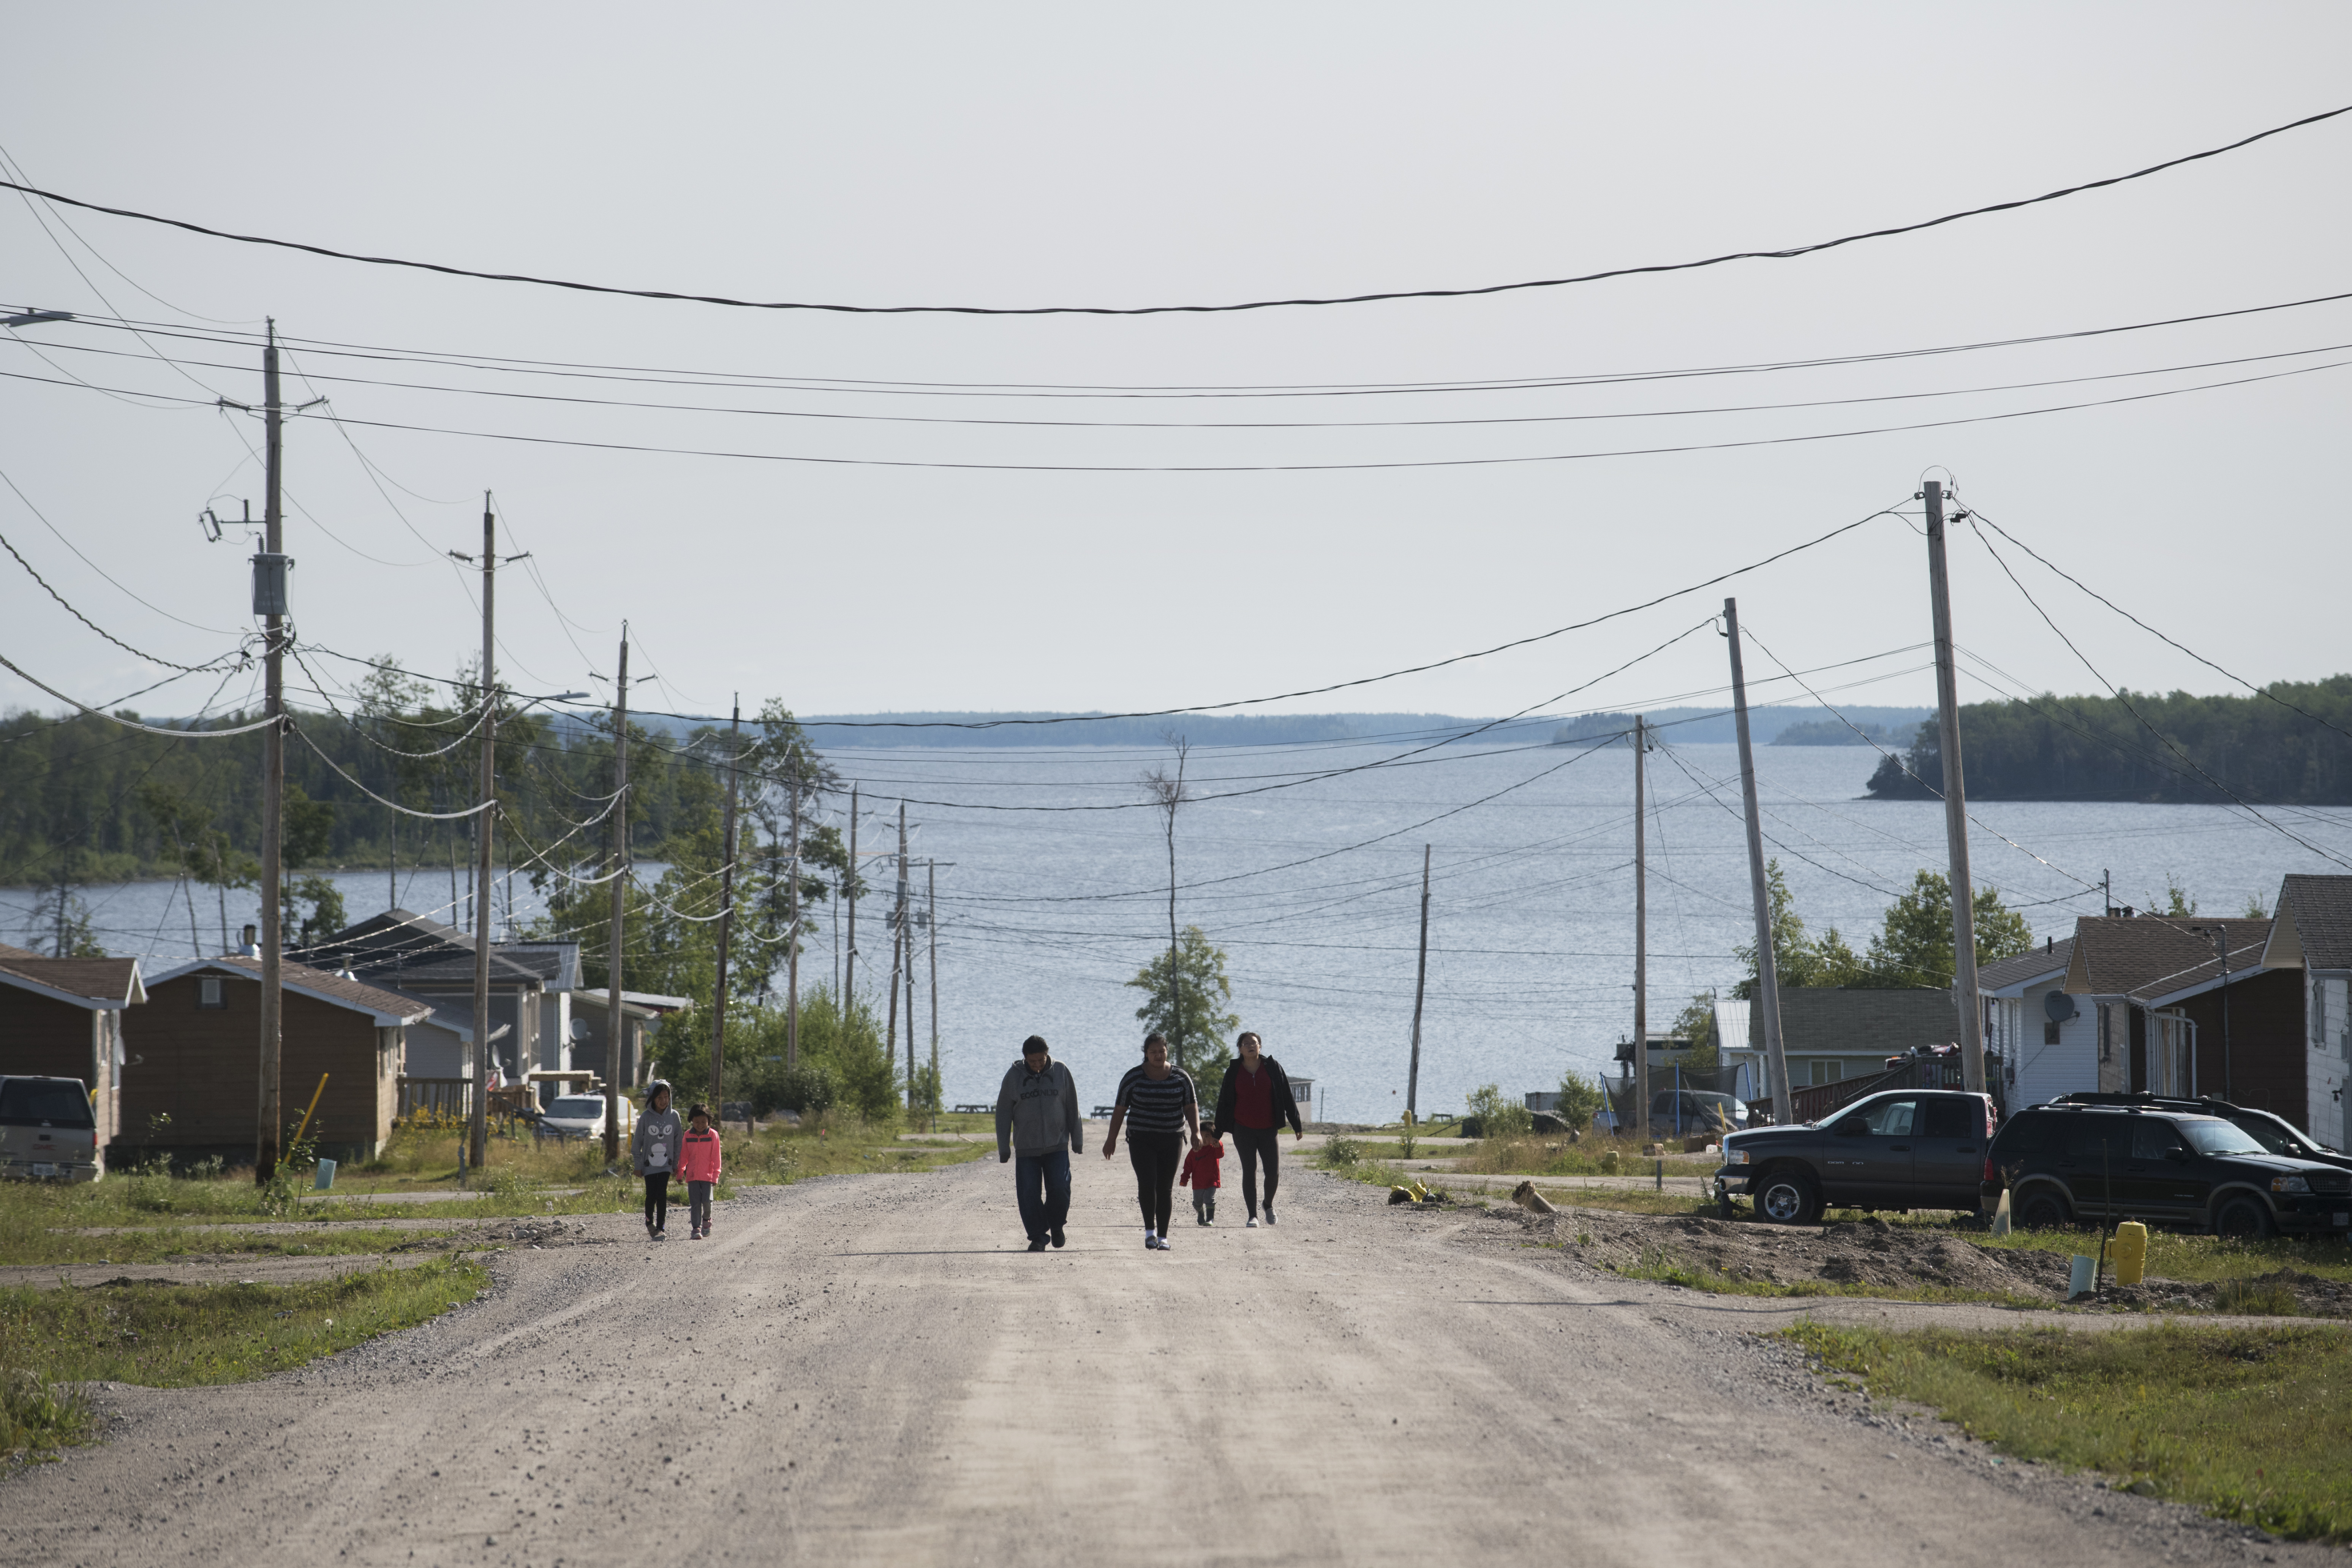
(1158, 1106)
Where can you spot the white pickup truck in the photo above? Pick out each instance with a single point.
(47, 1131)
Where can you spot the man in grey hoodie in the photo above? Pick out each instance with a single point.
(654, 1150)
(1036, 1115)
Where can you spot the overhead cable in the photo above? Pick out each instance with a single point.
(132, 724)
(1782, 254)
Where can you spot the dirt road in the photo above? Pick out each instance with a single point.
(870, 1370)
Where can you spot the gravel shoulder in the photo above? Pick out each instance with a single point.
(871, 1370)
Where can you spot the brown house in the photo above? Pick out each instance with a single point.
(62, 1017)
(2171, 1018)
(196, 1052)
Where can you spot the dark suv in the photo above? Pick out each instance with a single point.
(2273, 1132)
(2069, 1161)
(1905, 1149)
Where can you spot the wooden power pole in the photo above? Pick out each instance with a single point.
(1640, 947)
(478, 1132)
(849, 959)
(1956, 804)
(726, 909)
(269, 599)
(616, 1025)
(1767, 969)
(931, 932)
(1420, 982)
(901, 947)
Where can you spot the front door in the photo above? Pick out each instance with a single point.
(1947, 1157)
(1867, 1158)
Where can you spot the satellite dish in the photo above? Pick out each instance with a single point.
(2059, 1006)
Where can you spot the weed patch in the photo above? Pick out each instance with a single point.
(38, 1416)
(2248, 1424)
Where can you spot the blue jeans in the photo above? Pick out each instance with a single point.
(1041, 1214)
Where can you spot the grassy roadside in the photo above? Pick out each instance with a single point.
(156, 1216)
(2246, 1425)
(176, 1336)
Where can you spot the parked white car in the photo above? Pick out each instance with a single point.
(582, 1116)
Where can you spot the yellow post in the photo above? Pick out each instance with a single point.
(312, 1106)
(2131, 1252)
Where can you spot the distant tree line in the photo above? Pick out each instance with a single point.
(2292, 746)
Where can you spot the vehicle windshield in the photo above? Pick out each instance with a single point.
(2271, 1135)
(578, 1105)
(30, 1101)
(2211, 1135)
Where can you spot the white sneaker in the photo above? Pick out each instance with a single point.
(1151, 1242)
(1164, 1245)
(1253, 1223)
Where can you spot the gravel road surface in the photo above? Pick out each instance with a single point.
(871, 1370)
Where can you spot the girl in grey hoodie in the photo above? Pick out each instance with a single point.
(654, 1150)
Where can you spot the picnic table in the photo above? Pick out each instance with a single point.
(974, 1110)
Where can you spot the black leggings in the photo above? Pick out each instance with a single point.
(1256, 1143)
(657, 1199)
(1155, 1156)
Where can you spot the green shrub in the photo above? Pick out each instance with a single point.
(1581, 1099)
(1499, 1116)
(1340, 1153)
(843, 1061)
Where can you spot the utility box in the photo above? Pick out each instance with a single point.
(269, 583)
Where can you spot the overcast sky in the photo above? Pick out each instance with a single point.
(1022, 155)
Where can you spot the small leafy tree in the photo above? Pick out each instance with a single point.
(1499, 1115)
(1916, 948)
(1581, 1099)
(1696, 1023)
(1199, 1034)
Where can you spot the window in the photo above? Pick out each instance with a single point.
(1891, 1118)
(209, 993)
(2049, 1032)
(1828, 1072)
(2153, 1140)
(2094, 1138)
(1949, 1116)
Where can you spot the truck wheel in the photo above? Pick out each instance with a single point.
(2044, 1211)
(1788, 1197)
(2244, 1218)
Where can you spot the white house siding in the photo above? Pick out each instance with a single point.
(2327, 1063)
(554, 1031)
(2046, 1071)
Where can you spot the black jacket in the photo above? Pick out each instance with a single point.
(1285, 1106)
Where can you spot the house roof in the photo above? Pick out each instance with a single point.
(2013, 975)
(454, 1016)
(1841, 1021)
(643, 1003)
(2155, 958)
(1731, 1023)
(420, 950)
(2314, 929)
(101, 985)
(386, 1007)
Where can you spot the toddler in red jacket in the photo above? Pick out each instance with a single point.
(1201, 1172)
(697, 1165)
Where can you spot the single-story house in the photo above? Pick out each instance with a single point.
(2312, 933)
(2048, 1041)
(2170, 1016)
(196, 1057)
(62, 1017)
(426, 958)
(1830, 1034)
(642, 1012)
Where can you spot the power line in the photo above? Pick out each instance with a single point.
(222, 662)
(1783, 254)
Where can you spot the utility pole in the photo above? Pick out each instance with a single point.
(1955, 804)
(849, 968)
(1640, 949)
(726, 909)
(792, 947)
(1420, 981)
(478, 1134)
(270, 568)
(615, 1026)
(2219, 932)
(900, 945)
(931, 931)
(1767, 968)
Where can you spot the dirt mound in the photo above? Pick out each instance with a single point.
(525, 1232)
(1867, 1253)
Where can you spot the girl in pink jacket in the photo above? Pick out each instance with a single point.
(697, 1164)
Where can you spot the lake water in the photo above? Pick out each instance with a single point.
(1042, 915)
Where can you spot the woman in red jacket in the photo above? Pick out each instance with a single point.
(1253, 1103)
(698, 1163)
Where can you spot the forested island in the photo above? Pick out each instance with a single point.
(2291, 744)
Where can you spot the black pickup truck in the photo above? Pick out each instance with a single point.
(1902, 1149)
